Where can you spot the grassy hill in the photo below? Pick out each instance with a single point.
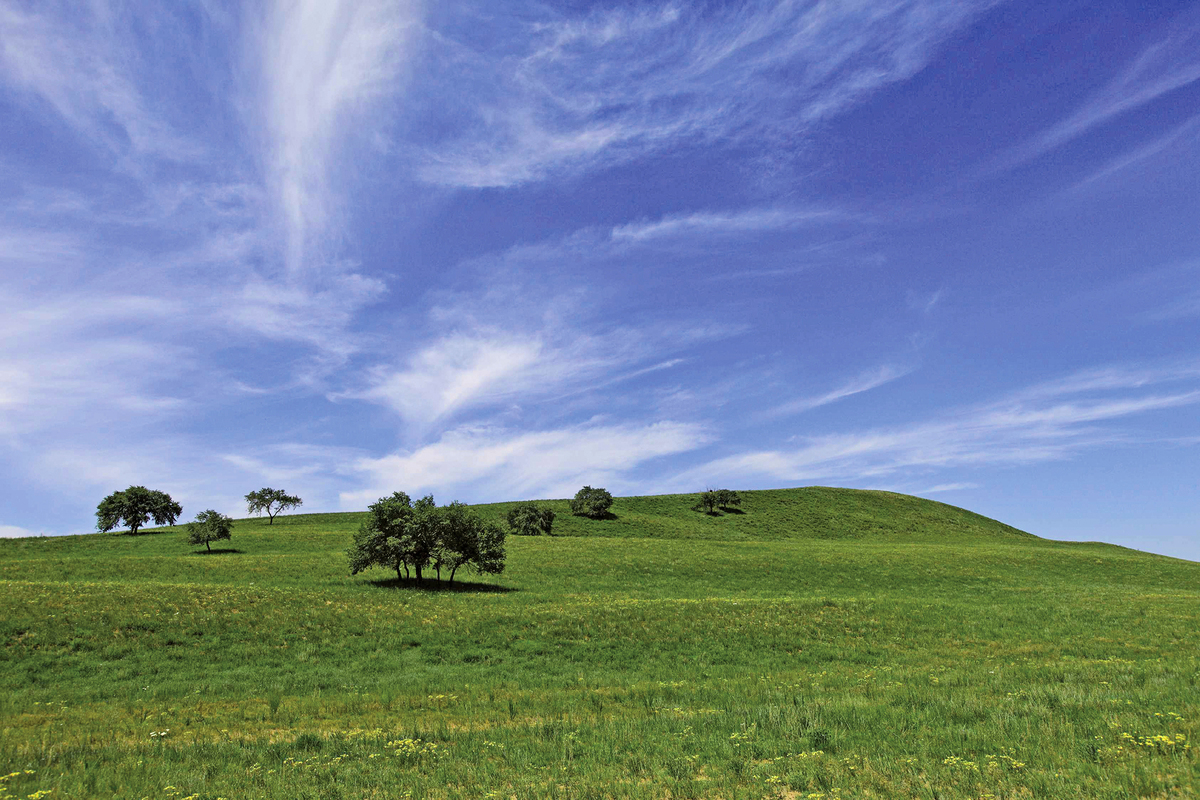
(822, 643)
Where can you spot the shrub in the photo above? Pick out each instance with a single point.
(530, 519)
(589, 502)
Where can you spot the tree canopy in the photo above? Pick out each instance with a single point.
(270, 502)
(403, 535)
(711, 499)
(589, 502)
(530, 519)
(134, 507)
(210, 526)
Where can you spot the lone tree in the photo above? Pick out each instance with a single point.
(707, 501)
(271, 502)
(404, 535)
(589, 502)
(530, 519)
(210, 526)
(134, 507)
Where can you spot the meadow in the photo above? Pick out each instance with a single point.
(821, 643)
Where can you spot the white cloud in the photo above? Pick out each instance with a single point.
(490, 463)
(948, 487)
(13, 532)
(1160, 69)
(863, 383)
(588, 92)
(708, 223)
(1045, 422)
(323, 63)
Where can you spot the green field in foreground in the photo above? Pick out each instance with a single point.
(823, 643)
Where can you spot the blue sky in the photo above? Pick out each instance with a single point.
(497, 251)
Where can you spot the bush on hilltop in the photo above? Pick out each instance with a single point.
(589, 502)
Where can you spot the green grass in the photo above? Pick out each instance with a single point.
(825, 642)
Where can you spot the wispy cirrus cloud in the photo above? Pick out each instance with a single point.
(81, 61)
(481, 464)
(1053, 420)
(322, 63)
(1160, 69)
(865, 382)
(586, 92)
(707, 224)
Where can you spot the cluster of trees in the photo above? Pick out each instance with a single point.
(712, 499)
(412, 537)
(137, 505)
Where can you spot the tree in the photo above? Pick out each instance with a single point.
(134, 507)
(727, 498)
(467, 540)
(380, 541)
(271, 502)
(707, 501)
(530, 519)
(210, 526)
(402, 535)
(589, 502)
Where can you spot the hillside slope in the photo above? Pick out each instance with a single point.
(816, 512)
(825, 643)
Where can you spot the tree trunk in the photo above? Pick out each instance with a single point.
(133, 529)
(453, 570)
(208, 545)
(397, 573)
(417, 567)
(438, 567)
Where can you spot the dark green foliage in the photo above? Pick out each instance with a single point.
(530, 519)
(467, 541)
(134, 507)
(210, 526)
(711, 499)
(402, 535)
(593, 503)
(382, 540)
(271, 502)
(707, 501)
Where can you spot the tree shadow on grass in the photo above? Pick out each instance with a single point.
(434, 585)
(216, 551)
(733, 511)
(605, 516)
